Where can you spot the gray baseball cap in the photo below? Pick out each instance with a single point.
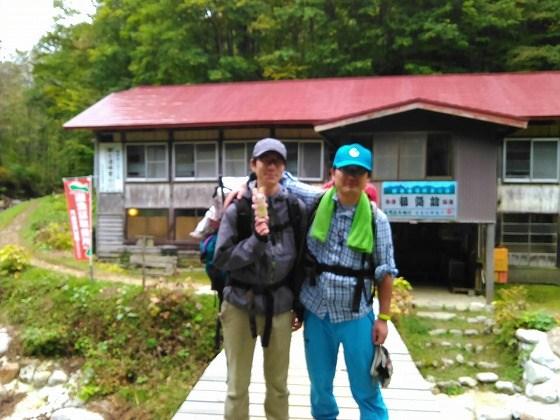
(269, 145)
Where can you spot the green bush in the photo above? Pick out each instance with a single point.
(54, 235)
(52, 341)
(537, 320)
(401, 302)
(511, 313)
(511, 303)
(13, 260)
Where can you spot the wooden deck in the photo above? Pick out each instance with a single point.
(408, 397)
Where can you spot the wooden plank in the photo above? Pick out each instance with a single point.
(407, 398)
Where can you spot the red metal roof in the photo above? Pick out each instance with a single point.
(503, 98)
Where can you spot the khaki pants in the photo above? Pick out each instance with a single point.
(240, 346)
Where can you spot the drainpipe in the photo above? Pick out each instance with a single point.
(489, 266)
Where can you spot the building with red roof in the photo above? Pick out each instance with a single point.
(461, 161)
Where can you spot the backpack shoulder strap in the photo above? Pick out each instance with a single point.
(245, 218)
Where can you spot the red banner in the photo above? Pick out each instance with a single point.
(78, 200)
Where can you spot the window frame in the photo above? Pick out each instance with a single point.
(300, 144)
(147, 179)
(409, 136)
(195, 177)
(247, 154)
(530, 178)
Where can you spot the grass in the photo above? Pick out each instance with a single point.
(144, 348)
(540, 297)
(427, 349)
(8, 215)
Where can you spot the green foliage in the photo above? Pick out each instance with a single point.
(54, 236)
(47, 341)
(147, 347)
(511, 303)
(537, 320)
(13, 260)
(401, 302)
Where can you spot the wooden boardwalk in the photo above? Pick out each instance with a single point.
(408, 397)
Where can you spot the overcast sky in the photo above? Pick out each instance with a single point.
(23, 22)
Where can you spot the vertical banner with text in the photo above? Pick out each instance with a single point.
(78, 200)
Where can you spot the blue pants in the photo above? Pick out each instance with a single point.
(322, 339)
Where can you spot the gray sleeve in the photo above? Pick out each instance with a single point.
(232, 254)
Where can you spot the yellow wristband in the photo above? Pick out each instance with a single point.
(384, 317)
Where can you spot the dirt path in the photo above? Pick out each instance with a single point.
(12, 233)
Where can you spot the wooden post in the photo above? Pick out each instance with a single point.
(489, 263)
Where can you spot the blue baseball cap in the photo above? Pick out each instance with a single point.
(353, 155)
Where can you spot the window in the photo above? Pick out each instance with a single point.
(236, 158)
(305, 159)
(527, 160)
(148, 222)
(186, 221)
(144, 161)
(438, 159)
(530, 238)
(412, 156)
(195, 160)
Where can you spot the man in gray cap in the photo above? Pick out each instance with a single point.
(260, 251)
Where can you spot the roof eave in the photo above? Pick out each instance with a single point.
(501, 119)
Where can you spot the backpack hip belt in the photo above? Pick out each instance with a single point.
(266, 291)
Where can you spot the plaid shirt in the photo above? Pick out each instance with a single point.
(332, 295)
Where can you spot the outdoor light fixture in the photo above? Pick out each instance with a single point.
(133, 212)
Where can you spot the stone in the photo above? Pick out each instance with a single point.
(492, 413)
(460, 359)
(455, 331)
(462, 406)
(461, 307)
(443, 385)
(5, 341)
(529, 336)
(469, 347)
(471, 332)
(437, 331)
(438, 316)
(26, 374)
(4, 392)
(527, 347)
(446, 344)
(477, 306)
(8, 372)
(487, 365)
(486, 377)
(58, 377)
(505, 387)
(73, 413)
(470, 363)
(468, 381)
(40, 378)
(546, 392)
(479, 348)
(431, 306)
(535, 374)
(524, 408)
(554, 340)
(447, 362)
(543, 355)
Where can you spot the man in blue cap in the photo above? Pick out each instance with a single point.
(349, 246)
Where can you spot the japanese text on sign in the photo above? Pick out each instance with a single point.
(420, 199)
